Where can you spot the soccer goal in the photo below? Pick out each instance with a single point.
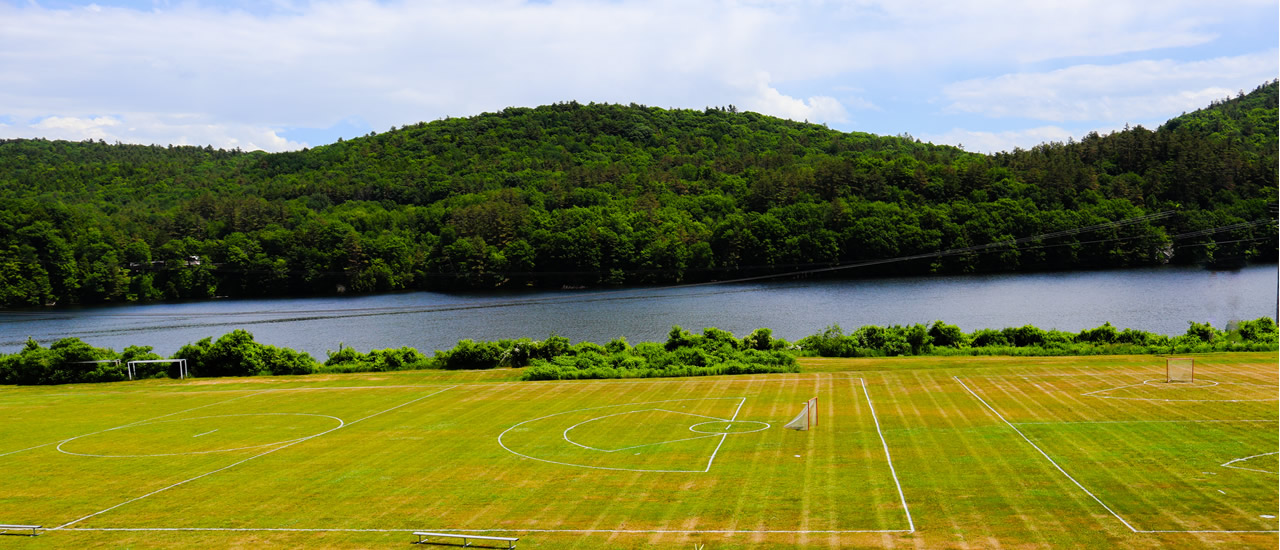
(808, 418)
(132, 366)
(1180, 369)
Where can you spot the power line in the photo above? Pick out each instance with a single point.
(652, 292)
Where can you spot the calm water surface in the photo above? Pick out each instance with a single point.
(1158, 300)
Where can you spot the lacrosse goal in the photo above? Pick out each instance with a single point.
(1180, 369)
(808, 418)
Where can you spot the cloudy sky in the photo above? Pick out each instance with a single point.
(285, 74)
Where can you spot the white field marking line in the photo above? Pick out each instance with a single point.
(1183, 400)
(1115, 388)
(583, 531)
(1012, 425)
(1044, 454)
(1137, 422)
(659, 443)
(729, 427)
(206, 433)
(1073, 480)
(1229, 464)
(1067, 374)
(1166, 531)
(901, 497)
(1146, 382)
(1179, 385)
(1101, 374)
(502, 444)
(61, 450)
(265, 453)
(565, 435)
(724, 436)
(144, 421)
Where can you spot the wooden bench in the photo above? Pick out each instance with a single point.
(5, 528)
(422, 535)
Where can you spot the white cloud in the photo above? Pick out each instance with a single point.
(769, 101)
(147, 129)
(247, 69)
(77, 124)
(1136, 90)
(990, 142)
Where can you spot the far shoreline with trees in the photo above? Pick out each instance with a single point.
(709, 353)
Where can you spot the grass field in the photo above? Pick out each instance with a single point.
(921, 452)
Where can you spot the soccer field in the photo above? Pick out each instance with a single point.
(922, 452)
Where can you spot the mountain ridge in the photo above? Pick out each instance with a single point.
(604, 194)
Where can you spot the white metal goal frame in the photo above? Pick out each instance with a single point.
(132, 366)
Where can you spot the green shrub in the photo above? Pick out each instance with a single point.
(947, 336)
(1203, 332)
(1104, 334)
(470, 355)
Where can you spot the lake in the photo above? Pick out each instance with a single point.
(1158, 300)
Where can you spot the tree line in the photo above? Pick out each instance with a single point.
(684, 353)
(605, 195)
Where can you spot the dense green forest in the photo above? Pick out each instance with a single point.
(595, 195)
(712, 352)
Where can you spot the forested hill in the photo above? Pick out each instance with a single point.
(596, 195)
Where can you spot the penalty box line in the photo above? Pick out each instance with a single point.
(1073, 480)
(262, 454)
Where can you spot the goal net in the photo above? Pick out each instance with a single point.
(807, 418)
(1180, 369)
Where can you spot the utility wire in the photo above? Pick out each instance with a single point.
(654, 292)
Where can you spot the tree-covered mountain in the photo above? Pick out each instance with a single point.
(590, 195)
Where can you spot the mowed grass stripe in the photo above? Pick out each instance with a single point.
(753, 486)
(52, 425)
(1139, 483)
(212, 472)
(82, 485)
(1091, 470)
(1007, 399)
(1002, 458)
(969, 479)
(1056, 404)
(892, 510)
(1048, 462)
(1258, 373)
(1140, 480)
(621, 501)
(911, 431)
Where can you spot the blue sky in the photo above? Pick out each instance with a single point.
(286, 74)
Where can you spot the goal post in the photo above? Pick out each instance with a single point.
(132, 366)
(1179, 369)
(808, 417)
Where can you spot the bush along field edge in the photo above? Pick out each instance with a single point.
(713, 352)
